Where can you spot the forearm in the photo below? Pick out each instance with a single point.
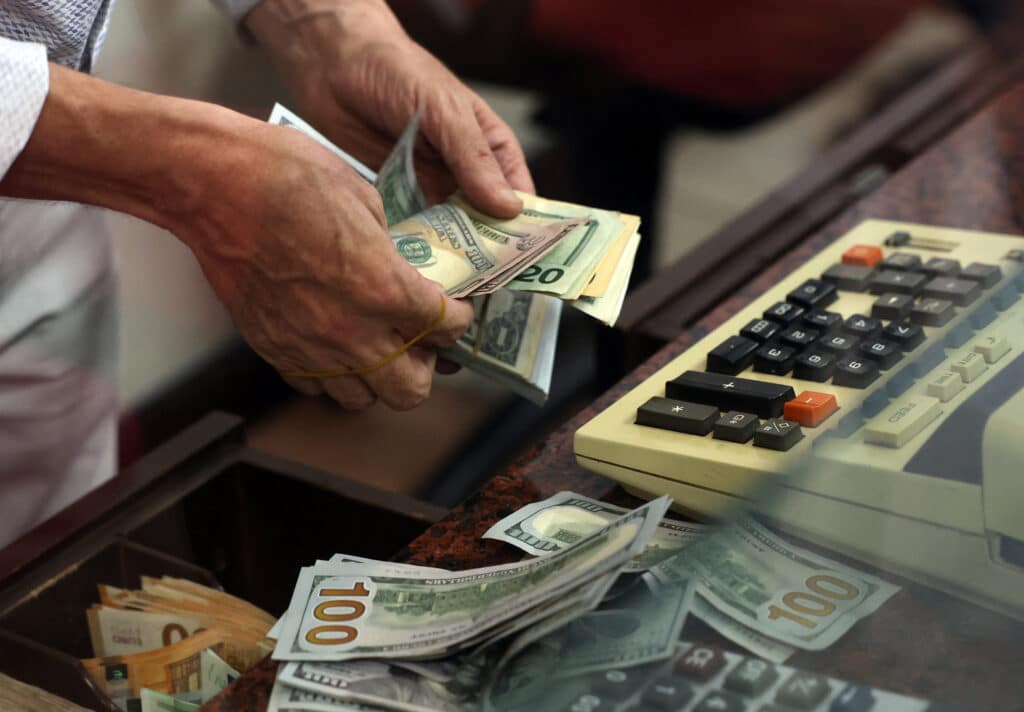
(98, 143)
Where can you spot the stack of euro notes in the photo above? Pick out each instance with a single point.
(518, 271)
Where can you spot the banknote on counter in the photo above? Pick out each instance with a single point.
(353, 610)
(284, 698)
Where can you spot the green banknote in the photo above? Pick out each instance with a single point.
(153, 701)
(396, 181)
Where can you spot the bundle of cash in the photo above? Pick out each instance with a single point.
(364, 634)
(173, 644)
(518, 271)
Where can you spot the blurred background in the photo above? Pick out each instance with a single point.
(666, 118)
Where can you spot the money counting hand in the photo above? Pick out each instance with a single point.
(872, 400)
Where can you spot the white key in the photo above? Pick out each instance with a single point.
(992, 348)
(969, 365)
(902, 420)
(944, 386)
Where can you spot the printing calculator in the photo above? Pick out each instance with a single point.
(872, 401)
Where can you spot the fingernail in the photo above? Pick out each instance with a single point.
(509, 196)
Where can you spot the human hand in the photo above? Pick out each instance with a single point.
(296, 247)
(359, 78)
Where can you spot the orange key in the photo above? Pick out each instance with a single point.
(863, 255)
(810, 408)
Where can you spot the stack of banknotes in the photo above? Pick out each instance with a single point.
(609, 589)
(518, 272)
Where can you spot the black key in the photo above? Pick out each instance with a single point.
(891, 280)
(904, 334)
(774, 359)
(903, 261)
(617, 685)
(862, 326)
(700, 662)
(759, 330)
(588, 702)
(681, 416)
(823, 321)
(853, 698)
(735, 427)
(898, 239)
(838, 343)
(783, 313)
(855, 372)
(986, 275)
(851, 278)
(777, 434)
(883, 353)
(941, 267)
(814, 366)
(798, 337)
(892, 306)
(959, 291)
(813, 294)
(732, 355)
(751, 677)
(803, 690)
(720, 701)
(932, 312)
(743, 394)
(669, 693)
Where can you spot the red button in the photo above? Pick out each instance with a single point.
(863, 255)
(700, 662)
(810, 408)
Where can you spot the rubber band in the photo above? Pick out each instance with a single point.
(379, 364)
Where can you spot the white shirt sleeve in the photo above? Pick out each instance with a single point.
(24, 83)
(236, 9)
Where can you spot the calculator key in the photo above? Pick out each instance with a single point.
(701, 662)
(899, 238)
(883, 353)
(992, 348)
(617, 685)
(803, 690)
(863, 255)
(958, 335)
(891, 280)
(735, 427)
(969, 365)
(902, 420)
(932, 312)
(986, 275)
(777, 434)
(892, 306)
(944, 386)
(823, 321)
(862, 326)
(798, 336)
(902, 261)
(775, 359)
(669, 693)
(783, 313)
(941, 267)
(810, 408)
(855, 372)
(729, 393)
(751, 677)
(983, 315)
(838, 343)
(721, 701)
(677, 415)
(588, 702)
(814, 366)
(732, 355)
(959, 291)
(853, 698)
(812, 294)
(850, 278)
(759, 330)
(906, 335)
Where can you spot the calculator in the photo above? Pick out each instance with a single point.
(871, 401)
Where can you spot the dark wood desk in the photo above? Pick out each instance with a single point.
(920, 642)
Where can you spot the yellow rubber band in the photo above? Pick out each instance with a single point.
(379, 364)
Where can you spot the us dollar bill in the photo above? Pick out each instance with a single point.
(153, 701)
(565, 518)
(607, 307)
(396, 182)
(776, 588)
(350, 611)
(284, 698)
(282, 116)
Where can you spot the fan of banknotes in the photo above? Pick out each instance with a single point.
(518, 272)
(609, 589)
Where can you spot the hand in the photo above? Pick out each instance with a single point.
(297, 249)
(359, 78)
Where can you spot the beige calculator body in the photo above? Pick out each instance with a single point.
(918, 464)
